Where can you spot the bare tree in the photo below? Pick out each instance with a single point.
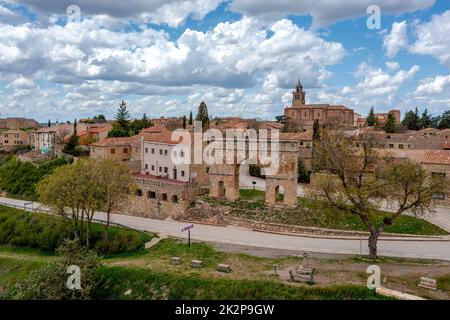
(353, 177)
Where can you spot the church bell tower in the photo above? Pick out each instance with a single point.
(298, 95)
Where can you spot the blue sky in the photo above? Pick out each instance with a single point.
(242, 57)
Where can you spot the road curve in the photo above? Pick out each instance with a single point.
(245, 237)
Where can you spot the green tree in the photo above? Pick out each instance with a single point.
(202, 115)
(411, 121)
(116, 184)
(184, 122)
(347, 182)
(99, 119)
(371, 119)
(71, 145)
(280, 119)
(444, 121)
(50, 281)
(49, 123)
(123, 116)
(191, 122)
(425, 120)
(75, 193)
(390, 125)
(316, 130)
(304, 175)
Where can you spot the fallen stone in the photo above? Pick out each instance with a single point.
(197, 264)
(223, 268)
(175, 260)
(128, 292)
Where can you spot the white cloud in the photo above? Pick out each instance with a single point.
(397, 39)
(432, 86)
(325, 12)
(170, 12)
(433, 39)
(392, 65)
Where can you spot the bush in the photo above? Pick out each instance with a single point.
(46, 233)
(20, 178)
(50, 281)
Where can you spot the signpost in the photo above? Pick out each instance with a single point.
(188, 229)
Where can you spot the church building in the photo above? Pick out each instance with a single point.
(305, 114)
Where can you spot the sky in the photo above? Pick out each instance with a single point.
(243, 58)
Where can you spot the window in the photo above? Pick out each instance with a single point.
(139, 193)
(125, 150)
(151, 195)
(400, 146)
(164, 197)
(160, 151)
(182, 154)
(146, 150)
(391, 146)
(113, 151)
(146, 166)
(438, 175)
(166, 169)
(153, 168)
(165, 152)
(153, 150)
(175, 199)
(182, 173)
(160, 169)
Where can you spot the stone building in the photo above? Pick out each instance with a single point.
(305, 114)
(124, 149)
(12, 138)
(169, 179)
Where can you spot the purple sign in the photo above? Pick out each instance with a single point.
(187, 227)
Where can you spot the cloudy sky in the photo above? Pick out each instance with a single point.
(242, 57)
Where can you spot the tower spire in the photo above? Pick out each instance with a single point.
(298, 95)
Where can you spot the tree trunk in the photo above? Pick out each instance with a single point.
(373, 239)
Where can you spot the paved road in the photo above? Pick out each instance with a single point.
(246, 237)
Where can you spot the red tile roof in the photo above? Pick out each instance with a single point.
(155, 129)
(120, 141)
(165, 137)
(436, 157)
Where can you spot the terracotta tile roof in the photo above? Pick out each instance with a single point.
(155, 129)
(119, 141)
(301, 136)
(164, 137)
(437, 157)
(100, 129)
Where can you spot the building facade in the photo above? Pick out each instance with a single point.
(305, 114)
(12, 138)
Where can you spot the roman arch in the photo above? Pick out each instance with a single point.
(224, 178)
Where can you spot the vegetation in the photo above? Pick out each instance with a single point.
(20, 178)
(316, 213)
(124, 127)
(46, 233)
(371, 119)
(414, 121)
(304, 175)
(77, 191)
(390, 125)
(146, 284)
(50, 281)
(202, 115)
(71, 146)
(355, 179)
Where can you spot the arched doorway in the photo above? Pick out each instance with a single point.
(279, 194)
(221, 190)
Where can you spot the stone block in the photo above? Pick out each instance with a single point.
(175, 260)
(427, 283)
(197, 264)
(223, 268)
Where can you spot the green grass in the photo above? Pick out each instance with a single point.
(146, 284)
(44, 232)
(311, 213)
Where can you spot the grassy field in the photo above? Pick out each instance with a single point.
(45, 233)
(150, 275)
(314, 214)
